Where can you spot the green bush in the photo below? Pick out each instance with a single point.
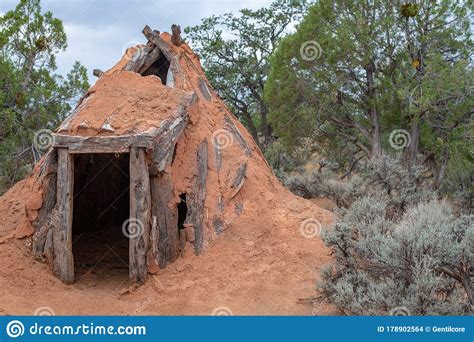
(420, 262)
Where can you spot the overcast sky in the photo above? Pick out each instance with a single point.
(98, 31)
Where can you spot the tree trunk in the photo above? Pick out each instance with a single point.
(372, 111)
(412, 148)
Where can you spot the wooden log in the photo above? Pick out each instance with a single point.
(217, 154)
(62, 231)
(197, 198)
(139, 222)
(204, 89)
(238, 136)
(144, 59)
(102, 144)
(167, 240)
(239, 179)
(176, 35)
(43, 222)
(97, 73)
(154, 37)
(169, 132)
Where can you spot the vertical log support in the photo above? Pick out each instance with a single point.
(62, 231)
(45, 218)
(198, 196)
(165, 234)
(138, 226)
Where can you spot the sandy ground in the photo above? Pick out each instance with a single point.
(266, 272)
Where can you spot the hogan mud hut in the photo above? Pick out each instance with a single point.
(151, 159)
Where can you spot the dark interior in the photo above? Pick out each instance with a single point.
(101, 206)
(182, 211)
(159, 68)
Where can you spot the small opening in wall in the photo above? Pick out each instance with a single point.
(159, 68)
(182, 211)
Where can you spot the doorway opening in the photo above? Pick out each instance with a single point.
(101, 204)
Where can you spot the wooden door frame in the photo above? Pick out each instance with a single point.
(140, 209)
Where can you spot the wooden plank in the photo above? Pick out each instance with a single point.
(203, 87)
(239, 179)
(142, 60)
(166, 140)
(197, 198)
(169, 132)
(166, 245)
(102, 144)
(44, 220)
(139, 222)
(62, 231)
(154, 37)
(238, 136)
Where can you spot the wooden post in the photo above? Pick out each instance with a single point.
(166, 243)
(139, 222)
(198, 197)
(62, 231)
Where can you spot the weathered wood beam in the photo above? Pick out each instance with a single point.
(139, 222)
(154, 37)
(238, 136)
(62, 231)
(239, 179)
(197, 198)
(143, 59)
(97, 73)
(101, 144)
(44, 221)
(165, 247)
(176, 35)
(168, 134)
(203, 87)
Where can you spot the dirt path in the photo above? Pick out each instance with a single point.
(265, 272)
